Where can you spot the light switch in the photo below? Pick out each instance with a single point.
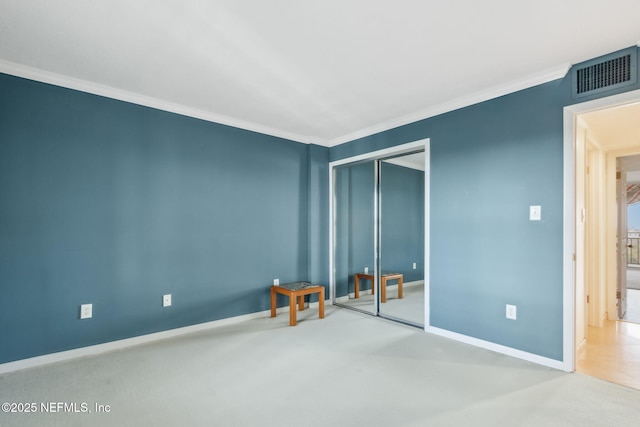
(535, 213)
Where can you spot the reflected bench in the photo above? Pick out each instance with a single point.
(383, 284)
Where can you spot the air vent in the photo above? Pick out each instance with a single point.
(604, 74)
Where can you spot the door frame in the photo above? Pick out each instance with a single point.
(570, 213)
(621, 238)
(423, 144)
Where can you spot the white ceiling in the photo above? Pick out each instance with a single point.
(313, 71)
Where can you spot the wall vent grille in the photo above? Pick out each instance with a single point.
(604, 74)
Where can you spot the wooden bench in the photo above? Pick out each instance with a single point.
(297, 291)
(383, 284)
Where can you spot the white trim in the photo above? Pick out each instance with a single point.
(568, 239)
(405, 285)
(568, 287)
(352, 295)
(391, 151)
(541, 360)
(427, 233)
(135, 341)
(409, 284)
(475, 98)
(332, 232)
(147, 101)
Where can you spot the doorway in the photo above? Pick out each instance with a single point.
(379, 233)
(628, 204)
(606, 139)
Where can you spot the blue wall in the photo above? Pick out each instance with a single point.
(489, 163)
(115, 204)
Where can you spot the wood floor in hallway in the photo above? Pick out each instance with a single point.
(612, 353)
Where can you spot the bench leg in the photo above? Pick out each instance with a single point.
(383, 290)
(301, 302)
(292, 310)
(273, 302)
(321, 304)
(356, 286)
(400, 288)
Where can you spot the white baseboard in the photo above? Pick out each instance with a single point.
(368, 291)
(344, 298)
(530, 357)
(93, 350)
(406, 284)
(414, 283)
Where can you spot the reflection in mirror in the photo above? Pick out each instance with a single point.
(402, 238)
(354, 234)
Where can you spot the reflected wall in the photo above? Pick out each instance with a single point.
(354, 228)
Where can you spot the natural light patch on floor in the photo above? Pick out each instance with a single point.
(612, 353)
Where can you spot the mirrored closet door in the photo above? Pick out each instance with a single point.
(401, 238)
(354, 238)
(379, 237)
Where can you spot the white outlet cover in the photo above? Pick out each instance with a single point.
(276, 282)
(366, 270)
(86, 311)
(166, 300)
(414, 266)
(512, 312)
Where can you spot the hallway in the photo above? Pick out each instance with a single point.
(612, 353)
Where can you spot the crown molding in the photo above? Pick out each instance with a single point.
(478, 97)
(147, 101)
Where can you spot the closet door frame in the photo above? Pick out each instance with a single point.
(423, 144)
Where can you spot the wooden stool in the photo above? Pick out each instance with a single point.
(297, 291)
(383, 284)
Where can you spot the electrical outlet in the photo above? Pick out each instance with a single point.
(511, 312)
(414, 266)
(166, 300)
(276, 282)
(86, 311)
(366, 270)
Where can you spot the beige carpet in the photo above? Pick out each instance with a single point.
(348, 369)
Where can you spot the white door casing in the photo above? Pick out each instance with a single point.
(621, 232)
